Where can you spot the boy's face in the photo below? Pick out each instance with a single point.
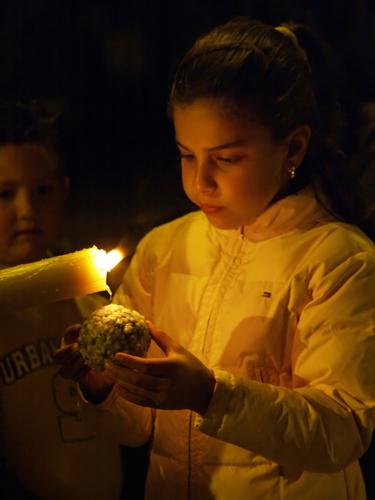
(32, 193)
(231, 166)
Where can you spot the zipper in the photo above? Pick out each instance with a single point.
(235, 260)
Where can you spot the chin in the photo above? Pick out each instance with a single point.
(222, 224)
(25, 255)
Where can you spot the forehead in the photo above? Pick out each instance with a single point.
(26, 162)
(210, 122)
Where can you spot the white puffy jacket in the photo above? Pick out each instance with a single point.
(283, 311)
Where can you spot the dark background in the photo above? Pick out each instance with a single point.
(106, 65)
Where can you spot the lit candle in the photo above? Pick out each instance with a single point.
(57, 278)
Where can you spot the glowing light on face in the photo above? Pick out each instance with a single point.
(231, 166)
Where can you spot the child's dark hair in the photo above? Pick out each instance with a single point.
(28, 122)
(283, 75)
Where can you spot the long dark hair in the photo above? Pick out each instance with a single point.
(285, 76)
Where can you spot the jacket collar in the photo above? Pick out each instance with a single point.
(294, 212)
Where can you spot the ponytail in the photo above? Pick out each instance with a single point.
(286, 76)
(341, 175)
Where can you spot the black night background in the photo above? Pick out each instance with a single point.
(106, 65)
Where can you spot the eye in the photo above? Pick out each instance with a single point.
(6, 194)
(228, 159)
(185, 157)
(44, 190)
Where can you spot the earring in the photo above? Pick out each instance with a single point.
(292, 171)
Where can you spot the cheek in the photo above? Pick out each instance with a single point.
(187, 182)
(262, 181)
(50, 218)
(240, 188)
(251, 192)
(7, 242)
(7, 222)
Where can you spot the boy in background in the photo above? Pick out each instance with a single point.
(49, 444)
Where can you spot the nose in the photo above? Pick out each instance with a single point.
(205, 177)
(25, 205)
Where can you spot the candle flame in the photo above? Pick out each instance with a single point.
(108, 261)
(113, 258)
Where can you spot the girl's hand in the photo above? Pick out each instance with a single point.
(95, 385)
(178, 381)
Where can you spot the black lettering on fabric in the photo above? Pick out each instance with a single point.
(26, 359)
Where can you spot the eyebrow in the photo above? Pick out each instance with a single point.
(227, 145)
(16, 182)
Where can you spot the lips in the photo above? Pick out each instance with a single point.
(211, 209)
(28, 232)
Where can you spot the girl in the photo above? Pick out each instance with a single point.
(265, 387)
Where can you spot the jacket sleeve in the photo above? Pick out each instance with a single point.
(136, 287)
(325, 422)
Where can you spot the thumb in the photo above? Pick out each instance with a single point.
(164, 341)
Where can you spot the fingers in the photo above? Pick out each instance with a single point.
(129, 377)
(71, 334)
(138, 399)
(67, 353)
(158, 367)
(128, 361)
(164, 341)
(155, 367)
(71, 362)
(139, 396)
(139, 388)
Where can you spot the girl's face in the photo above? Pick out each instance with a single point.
(231, 166)
(31, 198)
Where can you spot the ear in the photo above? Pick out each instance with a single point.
(297, 143)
